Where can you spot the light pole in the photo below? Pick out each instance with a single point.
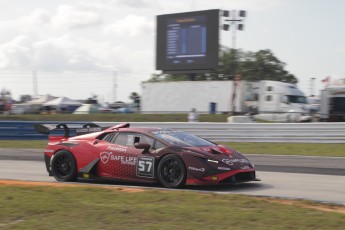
(235, 20)
(312, 80)
(114, 86)
(34, 81)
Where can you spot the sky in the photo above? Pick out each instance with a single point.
(106, 48)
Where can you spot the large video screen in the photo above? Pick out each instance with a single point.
(187, 41)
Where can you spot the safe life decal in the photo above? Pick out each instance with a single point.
(125, 160)
(144, 165)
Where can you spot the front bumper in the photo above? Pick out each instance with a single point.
(232, 177)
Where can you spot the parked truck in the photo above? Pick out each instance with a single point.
(332, 107)
(279, 101)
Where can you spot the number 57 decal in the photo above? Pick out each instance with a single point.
(145, 166)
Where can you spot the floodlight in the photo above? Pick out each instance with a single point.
(243, 13)
(226, 13)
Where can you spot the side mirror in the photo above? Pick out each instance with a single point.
(143, 146)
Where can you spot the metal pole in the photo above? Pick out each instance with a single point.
(114, 86)
(312, 86)
(34, 81)
(233, 27)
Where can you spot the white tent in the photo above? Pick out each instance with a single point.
(41, 100)
(63, 104)
(86, 109)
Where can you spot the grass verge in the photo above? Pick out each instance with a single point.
(303, 149)
(86, 207)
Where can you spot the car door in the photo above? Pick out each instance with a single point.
(120, 159)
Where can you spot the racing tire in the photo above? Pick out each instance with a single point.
(172, 171)
(64, 166)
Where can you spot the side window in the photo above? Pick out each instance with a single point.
(154, 143)
(269, 98)
(129, 139)
(124, 139)
(148, 140)
(158, 145)
(269, 88)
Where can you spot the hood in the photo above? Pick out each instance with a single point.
(226, 158)
(217, 152)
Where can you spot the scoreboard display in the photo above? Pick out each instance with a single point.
(187, 41)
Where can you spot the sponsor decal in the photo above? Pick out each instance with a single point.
(196, 169)
(145, 167)
(126, 160)
(89, 130)
(48, 150)
(227, 161)
(224, 168)
(214, 178)
(232, 161)
(105, 157)
(118, 149)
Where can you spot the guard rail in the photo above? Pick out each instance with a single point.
(218, 132)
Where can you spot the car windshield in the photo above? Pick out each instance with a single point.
(181, 139)
(297, 99)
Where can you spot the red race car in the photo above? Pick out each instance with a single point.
(172, 158)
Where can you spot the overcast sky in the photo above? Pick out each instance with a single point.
(79, 47)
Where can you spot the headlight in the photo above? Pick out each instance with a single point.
(212, 161)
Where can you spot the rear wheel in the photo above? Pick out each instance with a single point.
(172, 171)
(64, 166)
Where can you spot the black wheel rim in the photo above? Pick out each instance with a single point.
(63, 166)
(171, 171)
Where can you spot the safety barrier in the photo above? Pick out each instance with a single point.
(230, 132)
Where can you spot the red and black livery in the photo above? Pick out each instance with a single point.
(172, 158)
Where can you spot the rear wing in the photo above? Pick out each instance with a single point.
(68, 128)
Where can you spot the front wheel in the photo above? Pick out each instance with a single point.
(172, 171)
(64, 166)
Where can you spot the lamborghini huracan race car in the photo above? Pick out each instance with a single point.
(172, 158)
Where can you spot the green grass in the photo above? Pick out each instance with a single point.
(303, 149)
(100, 208)
(23, 144)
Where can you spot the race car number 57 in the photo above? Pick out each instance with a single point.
(145, 167)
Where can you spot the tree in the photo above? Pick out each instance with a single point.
(252, 66)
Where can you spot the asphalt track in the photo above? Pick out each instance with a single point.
(319, 179)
